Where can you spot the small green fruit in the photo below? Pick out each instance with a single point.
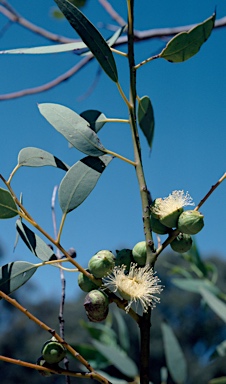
(96, 305)
(102, 263)
(53, 351)
(140, 253)
(190, 222)
(85, 283)
(157, 226)
(124, 257)
(182, 243)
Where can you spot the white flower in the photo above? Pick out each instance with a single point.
(139, 286)
(175, 201)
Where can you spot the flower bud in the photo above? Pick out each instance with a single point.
(102, 263)
(140, 253)
(86, 284)
(190, 222)
(182, 243)
(157, 226)
(124, 257)
(96, 305)
(53, 351)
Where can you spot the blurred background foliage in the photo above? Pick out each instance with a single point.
(198, 329)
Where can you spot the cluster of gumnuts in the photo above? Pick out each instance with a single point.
(188, 222)
(97, 302)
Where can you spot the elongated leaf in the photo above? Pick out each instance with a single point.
(36, 245)
(175, 360)
(118, 358)
(46, 49)
(146, 118)
(186, 44)
(194, 285)
(35, 157)
(15, 274)
(91, 37)
(111, 41)
(219, 380)
(96, 119)
(218, 306)
(80, 180)
(8, 206)
(73, 127)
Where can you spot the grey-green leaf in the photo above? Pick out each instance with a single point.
(35, 157)
(80, 180)
(186, 44)
(175, 360)
(8, 208)
(218, 306)
(91, 37)
(146, 118)
(36, 245)
(15, 274)
(96, 119)
(57, 48)
(118, 358)
(194, 285)
(73, 127)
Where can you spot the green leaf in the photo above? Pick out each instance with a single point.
(218, 306)
(8, 206)
(80, 180)
(186, 44)
(220, 350)
(219, 380)
(100, 332)
(35, 157)
(36, 245)
(91, 37)
(94, 357)
(47, 49)
(96, 119)
(146, 118)
(15, 274)
(73, 127)
(175, 360)
(118, 358)
(194, 285)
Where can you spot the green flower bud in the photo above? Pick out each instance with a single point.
(102, 263)
(190, 222)
(124, 257)
(139, 253)
(182, 243)
(53, 351)
(157, 226)
(86, 284)
(96, 305)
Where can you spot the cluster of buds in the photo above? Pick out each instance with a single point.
(168, 214)
(126, 274)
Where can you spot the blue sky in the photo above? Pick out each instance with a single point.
(189, 144)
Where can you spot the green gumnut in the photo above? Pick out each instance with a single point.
(96, 305)
(157, 226)
(102, 263)
(124, 257)
(139, 253)
(171, 219)
(182, 243)
(53, 351)
(190, 222)
(85, 283)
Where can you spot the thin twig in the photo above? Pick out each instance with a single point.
(49, 85)
(110, 10)
(212, 189)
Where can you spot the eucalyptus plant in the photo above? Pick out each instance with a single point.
(126, 278)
